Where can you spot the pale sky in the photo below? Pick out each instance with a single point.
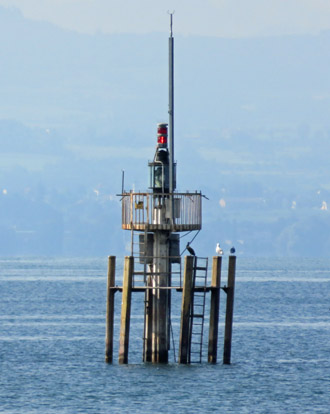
(225, 18)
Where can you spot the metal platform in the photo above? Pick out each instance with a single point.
(150, 211)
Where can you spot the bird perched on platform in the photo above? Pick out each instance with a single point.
(218, 250)
(190, 249)
(232, 250)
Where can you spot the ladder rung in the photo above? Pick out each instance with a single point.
(200, 268)
(150, 274)
(198, 315)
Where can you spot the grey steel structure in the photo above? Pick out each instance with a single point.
(155, 219)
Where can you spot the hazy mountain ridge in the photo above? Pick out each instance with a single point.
(252, 132)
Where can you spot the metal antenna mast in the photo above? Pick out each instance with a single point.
(171, 112)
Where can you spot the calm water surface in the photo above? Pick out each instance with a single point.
(52, 343)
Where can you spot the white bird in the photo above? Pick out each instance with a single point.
(218, 250)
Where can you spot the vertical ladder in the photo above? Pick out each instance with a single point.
(140, 277)
(135, 243)
(197, 311)
(140, 263)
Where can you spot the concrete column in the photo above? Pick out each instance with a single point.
(160, 297)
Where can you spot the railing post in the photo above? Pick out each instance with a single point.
(131, 215)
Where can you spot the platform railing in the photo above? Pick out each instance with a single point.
(150, 211)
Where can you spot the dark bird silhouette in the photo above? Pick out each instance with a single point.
(232, 250)
(190, 249)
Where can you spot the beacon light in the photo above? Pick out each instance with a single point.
(162, 135)
(162, 139)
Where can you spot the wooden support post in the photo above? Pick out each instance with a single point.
(110, 309)
(169, 306)
(126, 310)
(147, 351)
(214, 309)
(229, 309)
(162, 324)
(154, 320)
(184, 345)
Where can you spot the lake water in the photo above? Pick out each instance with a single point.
(52, 328)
